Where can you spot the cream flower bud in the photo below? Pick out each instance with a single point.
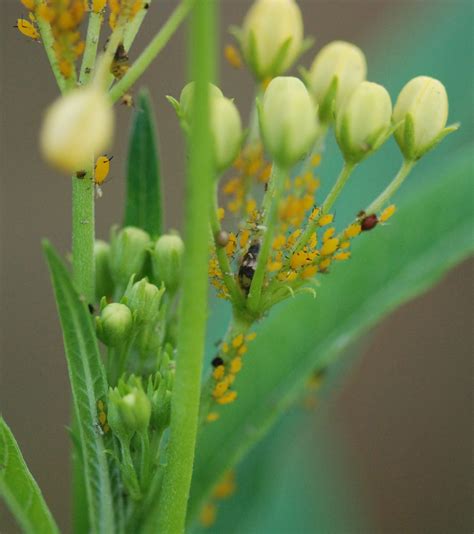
(337, 69)
(187, 96)
(364, 121)
(423, 106)
(288, 120)
(272, 36)
(226, 129)
(76, 127)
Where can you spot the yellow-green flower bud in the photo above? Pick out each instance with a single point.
(144, 300)
(77, 127)
(128, 253)
(114, 325)
(167, 258)
(272, 37)
(129, 411)
(226, 130)
(187, 96)
(288, 121)
(422, 105)
(364, 121)
(104, 285)
(337, 69)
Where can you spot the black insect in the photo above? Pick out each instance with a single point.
(217, 361)
(91, 309)
(248, 265)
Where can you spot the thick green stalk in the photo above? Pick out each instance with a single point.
(404, 171)
(271, 204)
(152, 50)
(170, 514)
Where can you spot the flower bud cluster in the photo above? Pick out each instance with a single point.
(159, 391)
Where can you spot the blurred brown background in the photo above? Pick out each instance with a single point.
(405, 413)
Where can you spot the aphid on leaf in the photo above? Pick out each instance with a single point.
(120, 62)
(28, 29)
(248, 265)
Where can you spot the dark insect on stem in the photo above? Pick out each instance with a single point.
(217, 361)
(248, 266)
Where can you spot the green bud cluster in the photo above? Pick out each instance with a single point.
(159, 391)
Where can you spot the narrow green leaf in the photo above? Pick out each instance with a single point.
(143, 205)
(88, 385)
(430, 233)
(19, 488)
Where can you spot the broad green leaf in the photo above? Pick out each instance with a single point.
(431, 232)
(143, 206)
(88, 385)
(19, 488)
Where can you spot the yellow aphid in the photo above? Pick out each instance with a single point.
(328, 234)
(218, 373)
(345, 244)
(279, 242)
(229, 397)
(325, 264)
(225, 347)
(251, 206)
(274, 266)
(29, 4)
(235, 365)
(220, 213)
(313, 240)
(326, 219)
(232, 56)
(251, 336)
(102, 418)
(265, 174)
(242, 350)
(288, 276)
(220, 388)
(27, 28)
(309, 272)
(212, 416)
(230, 379)
(231, 245)
(98, 5)
(226, 486)
(342, 256)
(387, 213)
(298, 259)
(237, 341)
(208, 515)
(100, 405)
(330, 246)
(352, 231)
(293, 237)
(314, 214)
(244, 238)
(102, 168)
(315, 160)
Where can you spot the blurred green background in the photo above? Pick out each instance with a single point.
(388, 447)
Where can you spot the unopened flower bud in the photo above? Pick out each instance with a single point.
(167, 258)
(114, 325)
(422, 105)
(337, 69)
(187, 97)
(288, 120)
(104, 285)
(128, 253)
(144, 300)
(226, 130)
(272, 37)
(364, 121)
(129, 411)
(76, 127)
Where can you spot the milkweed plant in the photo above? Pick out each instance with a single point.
(134, 309)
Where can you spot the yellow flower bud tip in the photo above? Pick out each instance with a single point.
(28, 29)
(77, 126)
(232, 56)
(422, 108)
(288, 121)
(363, 122)
(387, 213)
(337, 70)
(212, 416)
(272, 37)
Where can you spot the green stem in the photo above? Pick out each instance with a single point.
(90, 51)
(404, 171)
(152, 50)
(170, 514)
(83, 236)
(144, 459)
(224, 265)
(134, 27)
(271, 204)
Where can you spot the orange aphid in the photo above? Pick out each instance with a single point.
(27, 28)
(232, 56)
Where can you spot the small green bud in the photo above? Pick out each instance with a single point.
(337, 70)
(288, 120)
(114, 325)
(364, 121)
(422, 105)
(187, 97)
(144, 300)
(167, 258)
(129, 411)
(226, 129)
(272, 37)
(128, 253)
(104, 285)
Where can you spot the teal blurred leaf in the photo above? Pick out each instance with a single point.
(143, 205)
(88, 385)
(430, 233)
(20, 490)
